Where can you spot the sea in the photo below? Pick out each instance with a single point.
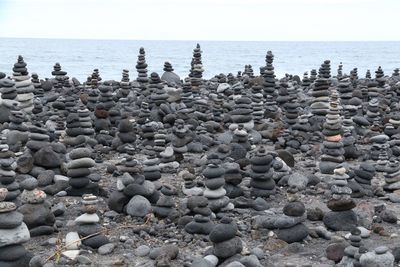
(80, 57)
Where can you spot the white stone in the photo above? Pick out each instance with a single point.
(365, 233)
(14, 236)
(72, 241)
(58, 178)
(87, 218)
(120, 185)
(194, 191)
(71, 254)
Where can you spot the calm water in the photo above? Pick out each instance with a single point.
(80, 57)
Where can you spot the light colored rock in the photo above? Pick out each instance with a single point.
(14, 236)
(87, 218)
(138, 206)
(106, 249)
(71, 254)
(72, 241)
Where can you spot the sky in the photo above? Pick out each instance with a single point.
(238, 20)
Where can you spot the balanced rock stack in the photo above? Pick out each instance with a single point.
(24, 85)
(373, 111)
(332, 146)
(151, 169)
(8, 94)
(225, 242)
(126, 135)
(215, 192)
(187, 95)
(60, 76)
(242, 112)
(294, 230)
(79, 173)
(165, 206)
(313, 75)
(341, 217)
(201, 223)
(80, 123)
(233, 177)
(262, 182)
(170, 76)
(305, 82)
(13, 233)
(392, 175)
(92, 99)
(352, 252)
(320, 92)
(141, 67)
(396, 72)
(196, 72)
(106, 96)
(36, 210)
(379, 145)
(379, 77)
(125, 84)
(364, 174)
(345, 90)
(39, 92)
(7, 168)
(88, 226)
(158, 94)
(269, 76)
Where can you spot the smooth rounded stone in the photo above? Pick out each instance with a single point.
(169, 251)
(260, 204)
(372, 259)
(137, 189)
(81, 163)
(214, 184)
(41, 230)
(298, 181)
(25, 163)
(382, 138)
(335, 251)
(29, 184)
(296, 233)
(388, 216)
(79, 182)
(222, 232)
(78, 153)
(341, 204)
(214, 194)
(89, 229)
(235, 264)
(46, 157)
(199, 228)
(295, 209)
(72, 241)
(45, 178)
(106, 249)
(10, 220)
(13, 236)
(212, 259)
(250, 261)
(12, 252)
(272, 221)
(381, 250)
(80, 172)
(340, 220)
(22, 261)
(142, 251)
(36, 215)
(138, 206)
(96, 241)
(117, 201)
(228, 248)
(87, 218)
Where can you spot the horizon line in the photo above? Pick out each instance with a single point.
(190, 40)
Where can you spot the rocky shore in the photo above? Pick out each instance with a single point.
(238, 170)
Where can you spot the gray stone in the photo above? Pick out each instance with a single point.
(142, 251)
(106, 249)
(138, 206)
(228, 248)
(298, 181)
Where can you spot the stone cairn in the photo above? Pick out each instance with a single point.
(223, 236)
(170, 76)
(106, 96)
(36, 210)
(39, 92)
(165, 206)
(363, 176)
(341, 217)
(141, 67)
(196, 71)
(215, 192)
(269, 76)
(262, 182)
(79, 173)
(60, 76)
(332, 151)
(7, 168)
(14, 233)
(396, 72)
(88, 226)
(320, 92)
(313, 75)
(24, 85)
(295, 230)
(125, 85)
(201, 222)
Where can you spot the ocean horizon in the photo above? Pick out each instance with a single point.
(80, 56)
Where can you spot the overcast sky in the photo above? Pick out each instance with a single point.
(247, 20)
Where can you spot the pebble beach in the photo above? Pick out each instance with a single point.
(241, 169)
